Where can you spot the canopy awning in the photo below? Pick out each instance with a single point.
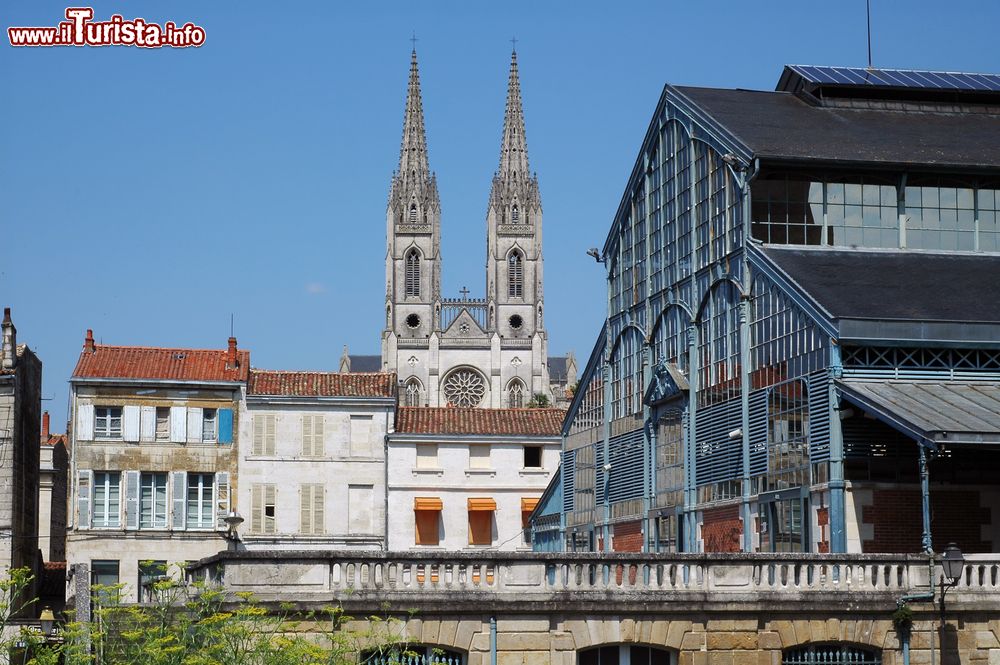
(932, 412)
(482, 504)
(427, 503)
(528, 504)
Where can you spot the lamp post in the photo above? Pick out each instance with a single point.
(47, 619)
(952, 564)
(233, 520)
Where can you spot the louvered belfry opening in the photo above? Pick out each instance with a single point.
(412, 278)
(515, 275)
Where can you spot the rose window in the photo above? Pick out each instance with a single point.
(464, 388)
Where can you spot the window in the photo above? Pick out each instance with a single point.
(427, 516)
(262, 508)
(427, 456)
(163, 423)
(532, 457)
(311, 513)
(831, 654)
(150, 572)
(209, 425)
(515, 275)
(413, 213)
(107, 499)
(411, 278)
(312, 435)
(104, 572)
(361, 429)
(479, 457)
(515, 214)
(263, 434)
(153, 501)
(108, 422)
(515, 394)
(464, 387)
(481, 521)
(417, 654)
(200, 513)
(528, 505)
(625, 654)
(411, 395)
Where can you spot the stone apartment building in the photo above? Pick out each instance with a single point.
(53, 470)
(312, 459)
(466, 478)
(20, 407)
(153, 457)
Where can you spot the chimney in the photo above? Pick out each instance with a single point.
(8, 351)
(45, 426)
(88, 342)
(231, 362)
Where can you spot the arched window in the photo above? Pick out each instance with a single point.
(831, 654)
(515, 215)
(626, 654)
(515, 275)
(413, 213)
(464, 387)
(412, 279)
(515, 394)
(411, 392)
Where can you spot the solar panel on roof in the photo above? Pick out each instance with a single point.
(897, 78)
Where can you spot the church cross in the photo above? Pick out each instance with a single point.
(414, 40)
(513, 43)
(465, 293)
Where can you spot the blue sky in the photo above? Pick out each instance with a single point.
(149, 194)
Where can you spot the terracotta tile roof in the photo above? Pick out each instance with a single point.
(322, 384)
(54, 565)
(56, 439)
(141, 362)
(454, 420)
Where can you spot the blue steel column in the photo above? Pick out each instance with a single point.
(691, 478)
(745, 410)
(838, 507)
(602, 474)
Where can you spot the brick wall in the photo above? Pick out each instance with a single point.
(722, 529)
(896, 520)
(627, 537)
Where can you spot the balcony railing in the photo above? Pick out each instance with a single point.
(545, 580)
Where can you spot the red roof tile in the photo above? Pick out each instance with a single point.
(141, 362)
(54, 565)
(322, 384)
(454, 420)
(56, 439)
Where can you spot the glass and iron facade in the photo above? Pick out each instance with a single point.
(710, 416)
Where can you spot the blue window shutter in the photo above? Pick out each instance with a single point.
(225, 425)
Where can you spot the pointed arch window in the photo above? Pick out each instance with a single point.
(515, 214)
(515, 275)
(413, 213)
(412, 278)
(515, 394)
(411, 392)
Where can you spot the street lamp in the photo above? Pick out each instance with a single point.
(952, 564)
(47, 619)
(233, 520)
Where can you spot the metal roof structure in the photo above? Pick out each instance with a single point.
(889, 78)
(937, 413)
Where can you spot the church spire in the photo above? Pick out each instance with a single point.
(413, 162)
(514, 145)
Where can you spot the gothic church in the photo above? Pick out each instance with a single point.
(462, 351)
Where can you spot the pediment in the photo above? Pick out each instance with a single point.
(667, 382)
(464, 326)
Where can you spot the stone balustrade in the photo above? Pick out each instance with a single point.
(545, 582)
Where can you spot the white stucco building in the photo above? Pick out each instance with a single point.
(466, 478)
(312, 459)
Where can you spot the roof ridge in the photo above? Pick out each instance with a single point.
(165, 348)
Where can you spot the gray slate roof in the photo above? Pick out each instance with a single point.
(911, 286)
(361, 363)
(782, 126)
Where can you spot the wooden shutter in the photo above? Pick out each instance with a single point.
(222, 503)
(85, 422)
(306, 507)
(178, 424)
(130, 424)
(258, 434)
(147, 423)
(84, 483)
(194, 424)
(307, 436)
(269, 500)
(225, 426)
(318, 446)
(179, 488)
(269, 427)
(319, 514)
(257, 508)
(132, 499)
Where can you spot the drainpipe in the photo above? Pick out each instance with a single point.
(493, 640)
